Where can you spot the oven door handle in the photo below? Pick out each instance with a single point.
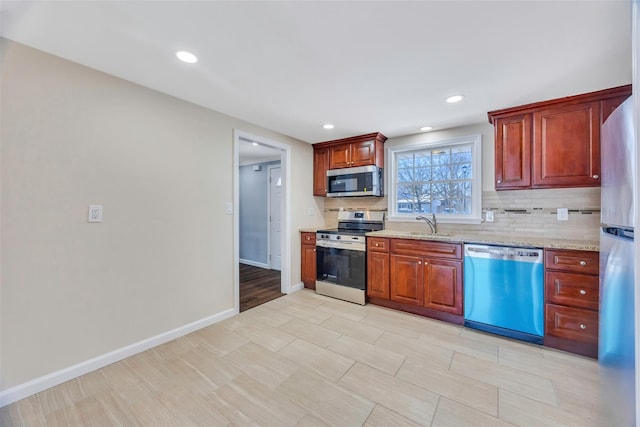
(350, 246)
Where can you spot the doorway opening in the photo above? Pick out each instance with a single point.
(261, 236)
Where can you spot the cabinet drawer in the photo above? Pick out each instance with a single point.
(578, 290)
(426, 248)
(377, 244)
(576, 324)
(308, 238)
(572, 261)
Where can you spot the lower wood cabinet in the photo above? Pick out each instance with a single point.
(424, 277)
(378, 267)
(571, 301)
(308, 256)
(443, 285)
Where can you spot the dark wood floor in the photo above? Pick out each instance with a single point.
(257, 286)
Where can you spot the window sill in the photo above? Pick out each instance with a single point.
(441, 220)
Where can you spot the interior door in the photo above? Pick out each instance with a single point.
(275, 197)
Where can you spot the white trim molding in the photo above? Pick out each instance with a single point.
(254, 263)
(37, 385)
(475, 217)
(285, 247)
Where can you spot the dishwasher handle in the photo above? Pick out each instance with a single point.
(504, 252)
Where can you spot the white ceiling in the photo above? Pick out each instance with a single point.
(364, 66)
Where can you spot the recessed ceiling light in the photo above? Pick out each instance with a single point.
(187, 57)
(454, 98)
(327, 126)
(426, 128)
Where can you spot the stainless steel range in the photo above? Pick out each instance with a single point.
(342, 255)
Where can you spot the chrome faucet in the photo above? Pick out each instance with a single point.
(431, 222)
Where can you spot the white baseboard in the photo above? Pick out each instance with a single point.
(297, 287)
(37, 385)
(254, 263)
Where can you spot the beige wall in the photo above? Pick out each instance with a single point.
(162, 168)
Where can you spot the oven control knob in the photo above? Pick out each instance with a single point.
(337, 237)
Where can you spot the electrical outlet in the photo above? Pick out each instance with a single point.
(95, 213)
(488, 216)
(563, 214)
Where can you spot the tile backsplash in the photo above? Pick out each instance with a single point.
(526, 213)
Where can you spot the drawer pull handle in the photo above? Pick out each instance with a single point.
(377, 244)
(583, 292)
(583, 262)
(583, 326)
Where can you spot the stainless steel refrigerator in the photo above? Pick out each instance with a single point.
(616, 348)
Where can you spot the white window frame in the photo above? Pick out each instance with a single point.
(476, 183)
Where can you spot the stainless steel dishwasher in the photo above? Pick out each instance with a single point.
(504, 291)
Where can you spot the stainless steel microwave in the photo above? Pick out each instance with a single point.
(354, 182)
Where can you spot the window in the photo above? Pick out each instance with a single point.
(442, 177)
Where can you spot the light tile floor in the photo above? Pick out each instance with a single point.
(308, 360)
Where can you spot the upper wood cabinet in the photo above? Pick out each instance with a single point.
(566, 146)
(320, 167)
(552, 144)
(513, 152)
(353, 154)
(363, 150)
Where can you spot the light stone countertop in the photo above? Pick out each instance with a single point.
(533, 242)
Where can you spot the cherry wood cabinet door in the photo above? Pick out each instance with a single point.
(443, 285)
(406, 275)
(308, 270)
(574, 324)
(320, 167)
(378, 264)
(363, 153)
(566, 146)
(513, 152)
(340, 156)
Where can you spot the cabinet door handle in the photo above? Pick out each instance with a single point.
(583, 326)
(419, 262)
(583, 263)
(583, 292)
(499, 181)
(596, 176)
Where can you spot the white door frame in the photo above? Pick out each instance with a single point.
(269, 239)
(285, 210)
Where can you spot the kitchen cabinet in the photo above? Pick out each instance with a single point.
(552, 144)
(513, 152)
(378, 267)
(425, 277)
(308, 256)
(320, 167)
(566, 146)
(572, 300)
(360, 153)
(362, 150)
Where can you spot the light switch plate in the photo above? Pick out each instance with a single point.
(488, 216)
(95, 213)
(310, 211)
(229, 208)
(563, 214)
